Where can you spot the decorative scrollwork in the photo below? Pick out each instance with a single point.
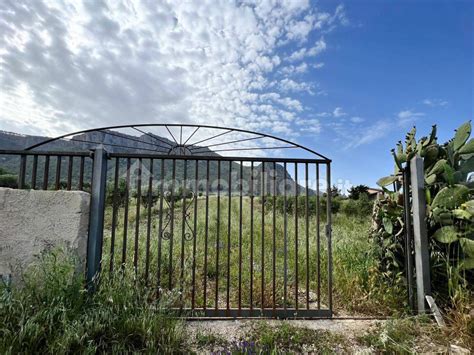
(188, 236)
(166, 235)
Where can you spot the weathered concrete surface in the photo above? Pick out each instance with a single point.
(32, 222)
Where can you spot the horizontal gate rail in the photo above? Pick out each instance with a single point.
(46, 153)
(164, 156)
(257, 313)
(218, 158)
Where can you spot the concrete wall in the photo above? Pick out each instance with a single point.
(32, 222)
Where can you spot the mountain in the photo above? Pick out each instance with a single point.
(147, 143)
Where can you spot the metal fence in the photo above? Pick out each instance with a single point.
(220, 236)
(239, 243)
(49, 170)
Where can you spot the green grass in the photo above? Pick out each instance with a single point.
(354, 265)
(405, 336)
(207, 340)
(286, 337)
(52, 313)
(358, 287)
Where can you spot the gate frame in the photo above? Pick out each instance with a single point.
(98, 190)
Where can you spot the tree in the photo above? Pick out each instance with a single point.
(118, 196)
(356, 191)
(335, 192)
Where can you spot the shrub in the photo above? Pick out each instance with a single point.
(120, 194)
(9, 180)
(356, 191)
(361, 207)
(312, 204)
(4, 171)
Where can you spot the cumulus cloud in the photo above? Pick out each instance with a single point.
(338, 112)
(289, 85)
(408, 117)
(68, 65)
(300, 54)
(292, 69)
(309, 126)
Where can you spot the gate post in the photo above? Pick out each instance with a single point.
(408, 236)
(422, 256)
(96, 216)
(329, 234)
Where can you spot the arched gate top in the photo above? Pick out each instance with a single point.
(176, 139)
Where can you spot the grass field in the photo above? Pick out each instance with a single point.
(53, 314)
(220, 251)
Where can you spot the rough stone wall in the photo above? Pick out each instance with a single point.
(32, 222)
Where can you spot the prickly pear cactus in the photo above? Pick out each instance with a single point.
(449, 196)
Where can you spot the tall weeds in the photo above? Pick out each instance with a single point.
(52, 313)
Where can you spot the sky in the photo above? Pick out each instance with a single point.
(345, 78)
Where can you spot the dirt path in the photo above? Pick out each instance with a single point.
(232, 331)
(406, 335)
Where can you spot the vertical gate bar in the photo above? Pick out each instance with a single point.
(408, 236)
(228, 236)
(285, 239)
(328, 233)
(206, 235)
(170, 261)
(90, 181)
(69, 172)
(318, 237)
(22, 175)
(183, 230)
(296, 235)
(148, 222)
(96, 219)
(125, 217)
(218, 246)
(35, 172)
(160, 223)
(262, 192)
(58, 172)
(81, 174)
(46, 172)
(251, 235)
(274, 239)
(137, 214)
(196, 177)
(307, 233)
(240, 235)
(114, 215)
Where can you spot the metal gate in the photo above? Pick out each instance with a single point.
(224, 236)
